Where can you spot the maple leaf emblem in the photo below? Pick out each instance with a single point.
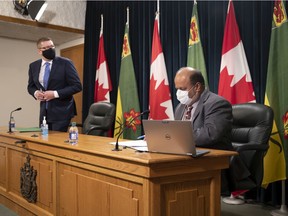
(158, 97)
(131, 120)
(241, 92)
(101, 93)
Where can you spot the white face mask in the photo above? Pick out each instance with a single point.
(183, 97)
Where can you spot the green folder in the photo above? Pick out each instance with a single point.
(28, 129)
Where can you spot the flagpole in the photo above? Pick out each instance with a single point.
(101, 22)
(158, 5)
(101, 28)
(127, 22)
(228, 6)
(157, 14)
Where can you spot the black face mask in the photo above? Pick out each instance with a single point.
(49, 53)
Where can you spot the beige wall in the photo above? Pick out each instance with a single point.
(15, 57)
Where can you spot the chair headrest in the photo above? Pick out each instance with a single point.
(252, 114)
(252, 123)
(101, 109)
(101, 116)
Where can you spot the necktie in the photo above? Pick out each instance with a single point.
(188, 113)
(46, 75)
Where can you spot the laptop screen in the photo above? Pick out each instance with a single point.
(169, 136)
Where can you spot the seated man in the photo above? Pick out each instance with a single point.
(210, 114)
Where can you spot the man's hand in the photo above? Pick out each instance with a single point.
(48, 95)
(39, 95)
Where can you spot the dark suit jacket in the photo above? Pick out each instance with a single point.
(212, 125)
(212, 121)
(65, 80)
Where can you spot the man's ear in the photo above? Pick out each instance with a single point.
(198, 86)
(39, 52)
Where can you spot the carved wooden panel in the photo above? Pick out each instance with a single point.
(84, 192)
(44, 169)
(187, 198)
(43, 180)
(16, 160)
(2, 167)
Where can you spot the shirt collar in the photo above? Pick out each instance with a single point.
(43, 62)
(194, 105)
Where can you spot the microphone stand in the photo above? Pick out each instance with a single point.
(126, 126)
(10, 129)
(117, 144)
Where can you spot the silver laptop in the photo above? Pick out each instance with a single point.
(171, 136)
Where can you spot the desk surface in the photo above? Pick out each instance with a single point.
(97, 145)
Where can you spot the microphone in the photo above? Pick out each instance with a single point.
(126, 126)
(10, 128)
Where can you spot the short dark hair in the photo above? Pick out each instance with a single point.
(42, 39)
(197, 77)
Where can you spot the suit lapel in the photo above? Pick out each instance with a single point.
(182, 111)
(36, 72)
(199, 107)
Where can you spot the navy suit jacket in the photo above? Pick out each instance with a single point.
(65, 80)
(212, 121)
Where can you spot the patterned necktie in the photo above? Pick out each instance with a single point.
(188, 113)
(46, 75)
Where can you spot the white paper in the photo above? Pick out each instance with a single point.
(132, 143)
(140, 148)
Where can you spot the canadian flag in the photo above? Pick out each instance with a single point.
(235, 83)
(102, 81)
(160, 103)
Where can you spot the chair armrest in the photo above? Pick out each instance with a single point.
(93, 128)
(249, 147)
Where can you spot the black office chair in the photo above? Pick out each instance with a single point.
(100, 119)
(252, 126)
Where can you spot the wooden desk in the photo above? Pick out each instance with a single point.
(90, 179)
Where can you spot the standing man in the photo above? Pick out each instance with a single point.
(210, 114)
(53, 81)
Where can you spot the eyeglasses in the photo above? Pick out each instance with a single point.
(48, 47)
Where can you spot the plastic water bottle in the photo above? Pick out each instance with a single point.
(73, 134)
(12, 124)
(44, 127)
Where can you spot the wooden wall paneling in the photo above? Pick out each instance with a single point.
(76, 54)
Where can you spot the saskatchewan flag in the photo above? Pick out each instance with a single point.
(275, 163)
(127, 107)
(195, 58)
